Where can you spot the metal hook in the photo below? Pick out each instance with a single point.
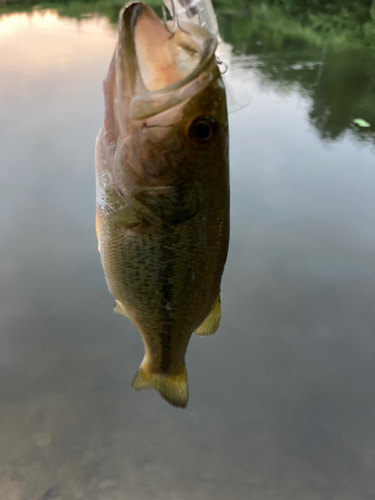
(220, 62)
(174, 17)
(176, 23)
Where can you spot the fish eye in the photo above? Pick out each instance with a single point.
(202, 129)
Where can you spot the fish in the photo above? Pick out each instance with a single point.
(162, 190)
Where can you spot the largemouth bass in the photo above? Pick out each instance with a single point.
(162, 215)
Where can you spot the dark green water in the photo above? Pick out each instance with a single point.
(282, 401)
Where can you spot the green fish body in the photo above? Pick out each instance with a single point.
(162, 213)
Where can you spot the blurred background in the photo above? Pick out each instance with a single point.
(282, 400)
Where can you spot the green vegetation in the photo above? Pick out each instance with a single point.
(323, 48)
(282, 23)
(77, 9)
(277, 22)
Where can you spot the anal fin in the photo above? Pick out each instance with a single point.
(212, 321)
(120, 309)
(173, 388)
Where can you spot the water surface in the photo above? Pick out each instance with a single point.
(282, 401)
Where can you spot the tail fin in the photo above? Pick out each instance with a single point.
(173, 388)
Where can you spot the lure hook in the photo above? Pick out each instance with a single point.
(174, 17)
(176, 23)
(222, 63)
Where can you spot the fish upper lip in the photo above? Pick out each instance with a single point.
(143, 102)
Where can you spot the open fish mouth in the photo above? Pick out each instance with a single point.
(157, 70)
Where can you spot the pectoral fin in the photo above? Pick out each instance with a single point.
(211, 323)
(120, 309)
(126, 216)
(170, 204)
